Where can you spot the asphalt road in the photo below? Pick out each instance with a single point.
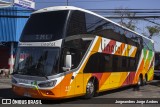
(152, 90)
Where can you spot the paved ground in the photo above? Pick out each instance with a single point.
(5, 83)
(152, 90)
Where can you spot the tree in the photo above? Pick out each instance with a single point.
(127, 22)
(153, 30)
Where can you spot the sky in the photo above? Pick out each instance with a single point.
(108, 4)
(100, 4)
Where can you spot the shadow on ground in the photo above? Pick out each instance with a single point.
(155, 83)
(7, 93)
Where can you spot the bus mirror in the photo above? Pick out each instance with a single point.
(68, 63)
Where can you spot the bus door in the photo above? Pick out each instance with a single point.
(73, 83)
(79, 87)
(77, 74)
(67, 85)
(68, 82)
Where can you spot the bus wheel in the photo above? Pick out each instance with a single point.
(145, 80)
(90, 89)
(139, 83)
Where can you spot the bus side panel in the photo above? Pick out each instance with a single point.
(145, 57)
(79, 84)
(68, 86)
(150, 70)
(87, 76)
(125, 79)
(140, 67)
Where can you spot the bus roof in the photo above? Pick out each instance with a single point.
(57, 8)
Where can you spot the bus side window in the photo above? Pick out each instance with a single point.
(105, 63)
(132, 64)
(92, 65)
(76, 56)
(76, 24)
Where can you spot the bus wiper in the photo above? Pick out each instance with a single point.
(14, 73)
(46, 77)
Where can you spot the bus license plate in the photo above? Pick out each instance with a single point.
(26, 94)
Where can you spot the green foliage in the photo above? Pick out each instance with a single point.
(153, 30)
(129, 25)
(127, 22)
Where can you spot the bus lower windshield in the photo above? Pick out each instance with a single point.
(37, 61)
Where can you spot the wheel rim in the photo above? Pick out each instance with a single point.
(90, 88)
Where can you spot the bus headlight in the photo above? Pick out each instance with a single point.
(47, 84)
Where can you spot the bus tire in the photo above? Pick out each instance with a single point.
(90, 89)
(139, 83)
(145, 80)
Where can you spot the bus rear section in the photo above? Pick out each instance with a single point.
(76, 52)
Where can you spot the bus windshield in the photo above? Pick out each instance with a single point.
(37, 61)
(43, 27)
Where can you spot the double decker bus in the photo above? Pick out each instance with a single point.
(66, 51)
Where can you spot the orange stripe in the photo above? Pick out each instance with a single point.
(139, 71)
(120, 49)
(134, 52)
(65, 82)
(96, 46)
(126, 53)
(123, 78)
(103, 79)
(95, 49)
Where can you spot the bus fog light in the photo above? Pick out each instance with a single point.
(47, 84)
(47, 92)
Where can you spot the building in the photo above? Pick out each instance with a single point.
(12, 21)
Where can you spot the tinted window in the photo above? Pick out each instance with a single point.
(105, 62)
(75, 47)
(77, 56)
(92, 65)
(85, 23)
(101, 27)
(46, 26)
(132, 64)
(77, 24)
(100, 62)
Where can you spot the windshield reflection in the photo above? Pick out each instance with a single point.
(37, 61)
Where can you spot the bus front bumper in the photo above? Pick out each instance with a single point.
(36, 93)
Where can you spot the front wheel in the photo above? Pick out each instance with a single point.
(139, 83)
(90, 89)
